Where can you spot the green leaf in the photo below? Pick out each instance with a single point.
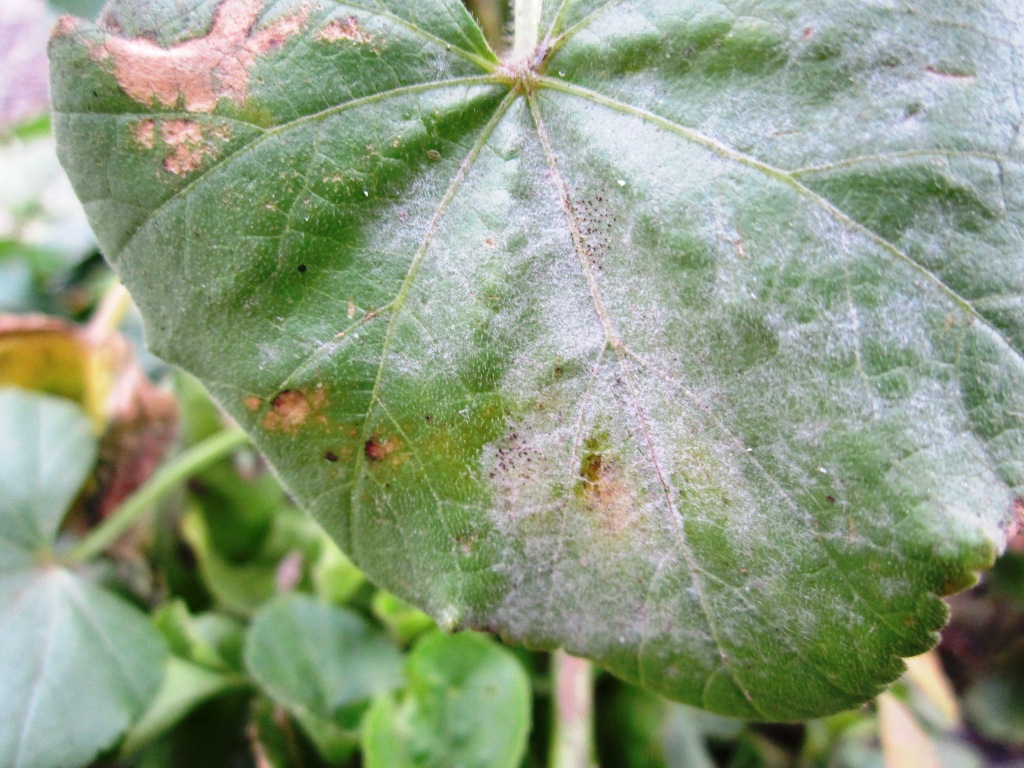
(243, 587)
(77, 661)
(994, 702)
(185, 687)
(692, 344)
(404, 622)
(467, 704)
(320, 660)
(47, 449)
(211, 640)
(337, 579)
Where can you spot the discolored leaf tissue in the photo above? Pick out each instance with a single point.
(690, 342)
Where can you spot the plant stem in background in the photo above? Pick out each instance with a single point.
(107, 317)
(199, 456)
(572, 730)
(527, 21)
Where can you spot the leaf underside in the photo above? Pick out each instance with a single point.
(693, 344)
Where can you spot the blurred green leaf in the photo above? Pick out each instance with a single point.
(185, 686)
(243, 586)
(335, 577)
(76, 660)
(87, 9)
(320, 660)
(405, 622)
(1007, 577)
(212, 640)
(467, 704)
(994, 702)
(47, 449)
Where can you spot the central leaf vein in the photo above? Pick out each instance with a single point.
(614, 340)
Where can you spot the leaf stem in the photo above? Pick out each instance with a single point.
(185, 464)
(572, 737)
(527, 21)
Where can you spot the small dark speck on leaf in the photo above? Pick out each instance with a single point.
(331, 456)
(830, 499)
(302, 268)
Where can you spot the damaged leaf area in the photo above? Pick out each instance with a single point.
(692, 343)
(199, 72)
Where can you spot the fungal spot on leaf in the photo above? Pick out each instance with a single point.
(1016, 527)
(379, 449)
(466, 543)
(331, 456)
(347, 29)
(302, 268)
(293, 408)
(201, 71)
(187, 146)
(145, 133)
(603, 486)
(252, 402)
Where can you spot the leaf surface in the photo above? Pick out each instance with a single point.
(693, 344)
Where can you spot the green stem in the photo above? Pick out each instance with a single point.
(572, 736)
(184, 465)
(527, 21)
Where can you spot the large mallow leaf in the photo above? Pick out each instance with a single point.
(691, 343)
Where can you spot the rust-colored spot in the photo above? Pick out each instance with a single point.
(293, 408)
(1015, 533)
(145, 133)
(347, 29)
(201, 71)
(590, 467)
(604, 488)
(184, 138)
(378, 448)
(252, 402)
(66, 25)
